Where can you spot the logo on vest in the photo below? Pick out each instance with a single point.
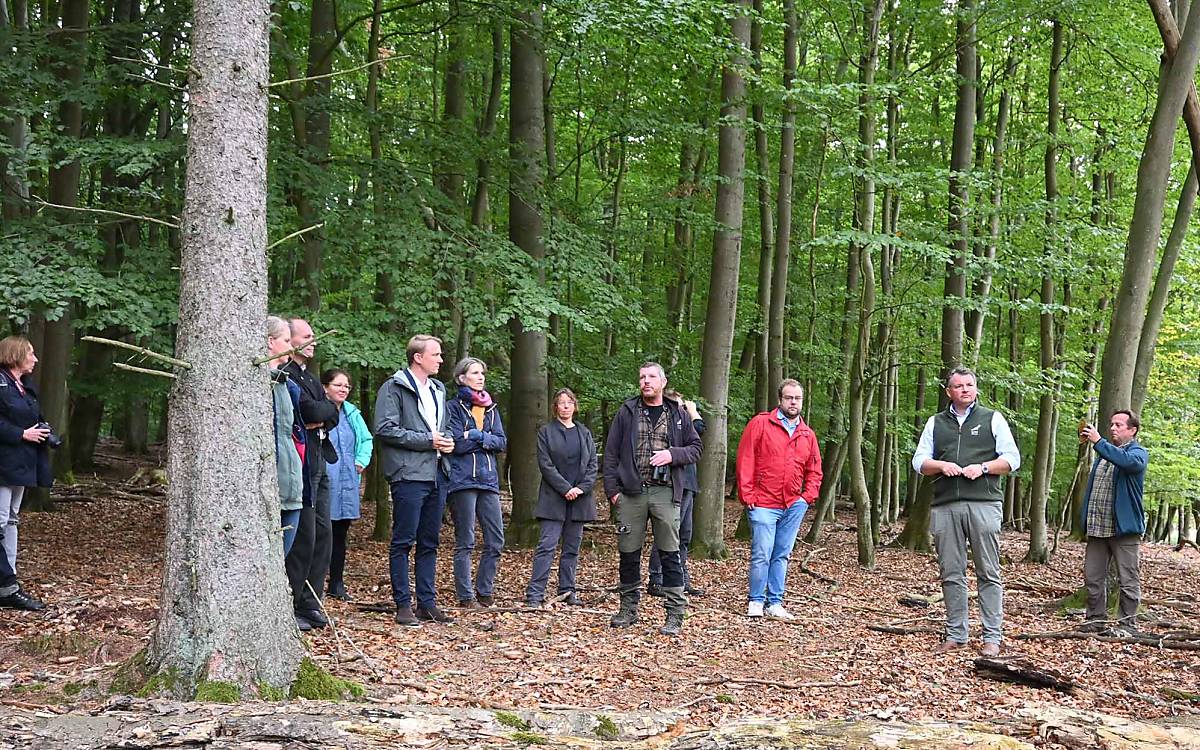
(975, 430)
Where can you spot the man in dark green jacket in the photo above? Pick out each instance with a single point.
(1114, 519)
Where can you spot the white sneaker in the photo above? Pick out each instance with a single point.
(755, 609)
(777, 612)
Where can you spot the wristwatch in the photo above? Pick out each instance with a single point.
(984, 468)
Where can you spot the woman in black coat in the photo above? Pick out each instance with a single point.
(24, 458)
(567, 459)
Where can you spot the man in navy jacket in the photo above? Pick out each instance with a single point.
(1114, 519)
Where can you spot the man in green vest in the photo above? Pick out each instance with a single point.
(966, 449)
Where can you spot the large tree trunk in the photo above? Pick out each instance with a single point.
(709, 541)
(1141, 249)
(225, 612)
(14, 125)
(526, 138)
(1039, 552)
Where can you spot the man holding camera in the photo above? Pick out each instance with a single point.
(649, 442)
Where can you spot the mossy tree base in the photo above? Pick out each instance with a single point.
(700, 550)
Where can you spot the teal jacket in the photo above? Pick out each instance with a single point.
(354, 444)
(1128, 479)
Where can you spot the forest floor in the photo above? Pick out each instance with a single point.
(97, 564)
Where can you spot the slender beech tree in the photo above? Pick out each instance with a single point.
(864, 220)
(709, 540)
(527, 175)
(916, 530)
(776, 355)
(1119, 363)
(760, 332)
(1039, 552)
(224, 613)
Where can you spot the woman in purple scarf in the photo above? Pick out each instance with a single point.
(473, 491)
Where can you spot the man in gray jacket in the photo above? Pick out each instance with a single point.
(410, 420)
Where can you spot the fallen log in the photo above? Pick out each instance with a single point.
(1023, 671)
(1140, 639)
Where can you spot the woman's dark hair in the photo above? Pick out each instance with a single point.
(328, 376)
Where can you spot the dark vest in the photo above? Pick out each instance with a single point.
(972, 443)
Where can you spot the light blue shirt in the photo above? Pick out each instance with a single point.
(1006, 445)
(789, 426)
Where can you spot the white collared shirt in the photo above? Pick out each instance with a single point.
(1006, 445)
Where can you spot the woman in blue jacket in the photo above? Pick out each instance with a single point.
(473, 490)
(24, 458)
(353, 443)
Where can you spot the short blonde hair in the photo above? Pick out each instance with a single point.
(14, 350)
(417, 345)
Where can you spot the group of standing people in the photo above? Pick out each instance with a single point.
(440, 448)
(322, 448)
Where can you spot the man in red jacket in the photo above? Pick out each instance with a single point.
(779, 476)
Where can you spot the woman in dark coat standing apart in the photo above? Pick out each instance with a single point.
(24, 458)
(567, 459)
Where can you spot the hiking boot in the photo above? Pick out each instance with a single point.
(947, 646)
(989, 650)
(431, 613)
(673, 625)
(755, 609)
(572, 600)
(1094, 626)
(654, 589)
(469, 604)
(691, 590)
(624, 618)
(20, 600)
(405, 616)
(485, 600)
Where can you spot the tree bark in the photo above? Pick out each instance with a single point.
(224, 612)
(1039, 552)
(709, 541)
(526, 138)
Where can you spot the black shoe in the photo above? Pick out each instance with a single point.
(338, 591)
(534, 603)
(693, 591)
(673, 625)
(303, 624)
(485, 600)
(433, 614)
(624, 618)
(404, 616)
(654, 589)
(315, 616)
(20, 600)
(1094, 626)
(572, 600)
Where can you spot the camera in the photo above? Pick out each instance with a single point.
(52, 440)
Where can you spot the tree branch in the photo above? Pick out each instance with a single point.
(135, 217)
(297, 233)
(143, 370)
(293, 350)
(140, 350)
(289, 81)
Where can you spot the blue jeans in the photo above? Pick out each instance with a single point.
(773, 534)
(416, 519)
(289, 518)
(465, 507)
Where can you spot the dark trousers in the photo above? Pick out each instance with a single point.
(1124, 551)
(685, 539)
(308, 562)
(337, 554)
(571, 534)
(417, 509)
